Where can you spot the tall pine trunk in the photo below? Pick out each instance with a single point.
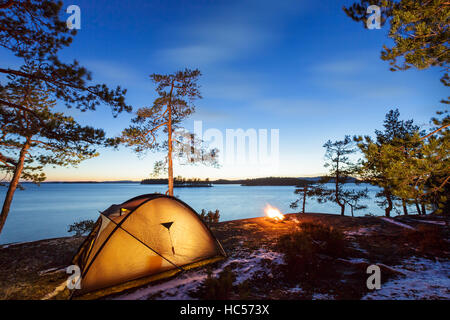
(305, 189)
(13, 184)
(388, 209)
(405, 209)
(170, 159)
(417, 207)
(342, 209)
(169, 129)
(424, 211)
(338, 200)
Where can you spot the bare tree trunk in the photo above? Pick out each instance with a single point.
(417, 207)
(304, 198)
(13, 184)
(405, 209)
(388, 209)
(424, 211)
(169, 141)
(342, 209)
(169, 127)
(338, 201)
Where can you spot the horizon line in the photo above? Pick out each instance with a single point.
(201, 179)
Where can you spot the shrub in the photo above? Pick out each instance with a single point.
(243, 290)
(307, 252)
(210, 217)
(217, 288)
(427, 239)
(81, 227)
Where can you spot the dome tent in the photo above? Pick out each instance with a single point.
(146, 238)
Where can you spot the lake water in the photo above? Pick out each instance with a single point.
(46, 211)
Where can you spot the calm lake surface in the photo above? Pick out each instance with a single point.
(46, 211)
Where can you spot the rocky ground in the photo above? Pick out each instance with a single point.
(412, 253)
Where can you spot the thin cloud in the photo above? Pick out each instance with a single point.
(112, 71)
(298, 107)
(236, 31)
(342, 67)
(195, 55)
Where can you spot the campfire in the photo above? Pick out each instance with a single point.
(273, 214)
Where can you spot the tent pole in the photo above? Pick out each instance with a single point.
(180, 268)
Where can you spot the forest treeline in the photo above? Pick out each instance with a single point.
(266, 181)
(410, 166)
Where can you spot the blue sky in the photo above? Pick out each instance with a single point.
(301, 67)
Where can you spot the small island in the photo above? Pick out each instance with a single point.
(180, 182)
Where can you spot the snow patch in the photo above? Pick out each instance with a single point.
(424, 279)
(397, 223)
(296, 289)
(322, 296)
(441, 223)
(248, 267)
(55, 292)
(51, 270)
(179, 287)
(354, 260)
(14, 244)
(357, 247)
(361, 231)
(175, 289)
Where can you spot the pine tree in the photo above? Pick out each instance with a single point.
(33, 142)
(421, 172)
(383, 155)
(176, 94)
(340, 170)
(420, 34)
(353, 197)
(33, 31)
(419, 29)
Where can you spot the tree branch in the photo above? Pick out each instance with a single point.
(439, 129)
(7, 160)
(16, 106)
(436, 188)
(153, 129)
(7, 5)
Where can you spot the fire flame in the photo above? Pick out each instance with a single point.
(273, 213)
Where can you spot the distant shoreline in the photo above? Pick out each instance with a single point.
(119, 181)
(267, 181)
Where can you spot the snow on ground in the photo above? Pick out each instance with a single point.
(296, 289)
(322, 296)
(353, 260)
(361, 231)
(425, 279)
(13, 244)
(357, 247)
(315, 296)
(51, 270)
(245, 268)
(55, 292)
(249, 266)
(442, 223)
(175, 289)
(397, 223)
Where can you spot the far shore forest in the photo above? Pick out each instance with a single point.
(409, 164)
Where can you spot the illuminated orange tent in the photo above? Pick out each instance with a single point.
(146, 238)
